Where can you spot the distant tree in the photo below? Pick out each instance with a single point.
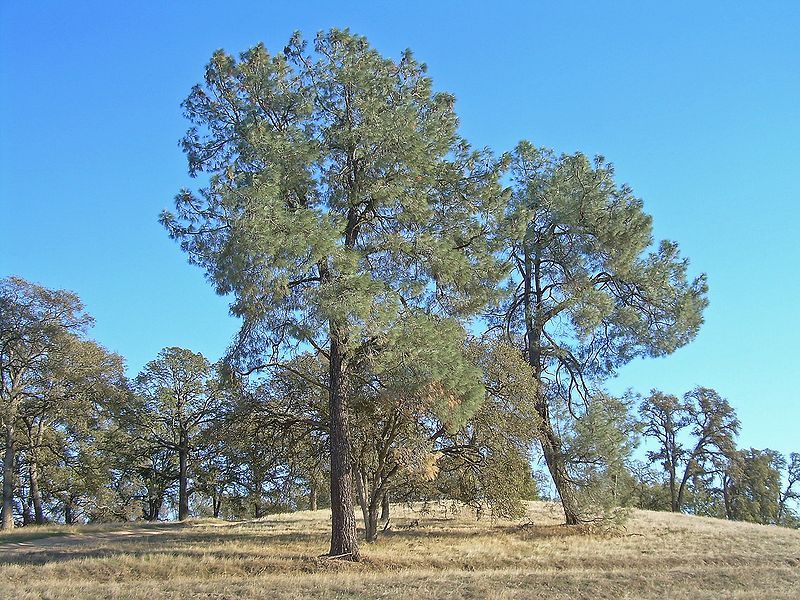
(791, 492)
(692, 434)
(178, 398)
(341, 200)
(648, 491)
(80, 383)
(752, 486)
(589, 292)
(36, 326)
(217, 472)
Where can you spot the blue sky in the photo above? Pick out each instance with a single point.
(698, 108)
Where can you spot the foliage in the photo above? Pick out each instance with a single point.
(589, 292)
(706, 418)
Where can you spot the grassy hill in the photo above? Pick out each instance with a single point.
(435, 555)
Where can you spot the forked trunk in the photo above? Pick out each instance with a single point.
(344, 543)
(153, 507)
(369, 507)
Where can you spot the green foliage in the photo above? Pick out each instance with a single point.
(177, 393)
(339, 192)
(598, 446)
(590, 290)
(753, 486)
(486, 463)
(601, 293)
(694, 435)
(44, 376)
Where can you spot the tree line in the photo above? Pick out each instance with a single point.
(417, 317)
(187, 438)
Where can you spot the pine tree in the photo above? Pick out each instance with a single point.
(590, 292)
(340, 201)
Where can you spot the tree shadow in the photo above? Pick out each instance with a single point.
(188, 544)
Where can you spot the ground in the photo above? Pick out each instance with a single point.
(426, 555)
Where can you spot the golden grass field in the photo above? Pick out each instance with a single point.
(434, 555)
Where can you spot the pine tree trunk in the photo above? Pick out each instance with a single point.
(7, 513)
(183, 481)
(344, 543)
(556, 464)
(534, 327)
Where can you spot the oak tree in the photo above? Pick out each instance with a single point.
(36, 324)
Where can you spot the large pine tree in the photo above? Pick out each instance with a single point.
(340, 202)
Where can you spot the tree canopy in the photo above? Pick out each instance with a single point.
(341, 204)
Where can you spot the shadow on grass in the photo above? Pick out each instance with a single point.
(183, 542)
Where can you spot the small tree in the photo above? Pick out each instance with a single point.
(599, 445)
(752, 486)
(703, 417)
(179, 398)
(485, 463)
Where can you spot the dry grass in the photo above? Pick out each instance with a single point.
(657, 555)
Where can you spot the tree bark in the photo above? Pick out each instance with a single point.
(384, 508)
(534, 327)
(36, 494)
(7, 513)
(368, 501)
(183, 480)
(217, 506)
(312, 498)
(153, 507)
(673, 495)
(726, 498)
(556, 464)
(27, 519)
(344, 543)
(69, 515)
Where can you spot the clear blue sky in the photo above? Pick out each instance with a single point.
(698, 107)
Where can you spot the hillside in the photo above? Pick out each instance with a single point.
(436, 555)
